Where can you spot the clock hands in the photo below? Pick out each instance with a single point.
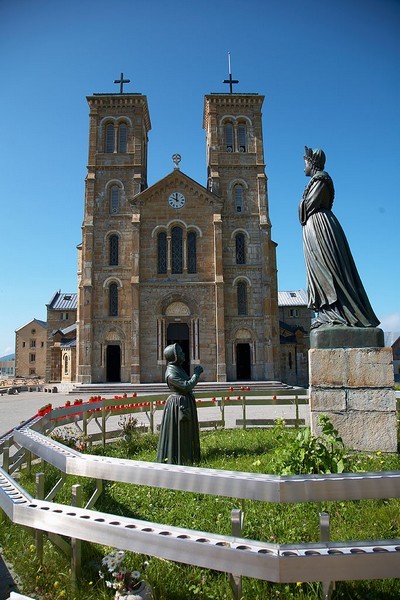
(176, 200)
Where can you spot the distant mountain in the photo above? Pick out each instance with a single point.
(8, 357)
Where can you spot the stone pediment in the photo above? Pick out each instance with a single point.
(178, 181)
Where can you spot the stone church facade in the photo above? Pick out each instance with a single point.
(176, 261)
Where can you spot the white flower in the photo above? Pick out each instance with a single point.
(106, 560)
(135, 574)
(119, 556)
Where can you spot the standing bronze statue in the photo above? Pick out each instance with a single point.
(335, 290)
(179, 442)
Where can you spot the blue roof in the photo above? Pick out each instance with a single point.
(293, 298)
(38, 321)
(68, 343)
(63, 301)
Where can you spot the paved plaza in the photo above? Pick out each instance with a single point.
(17, 408)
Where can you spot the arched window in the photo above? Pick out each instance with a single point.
(242, 298)
(109, 142)
(114, 199)
(238, 194)
(242, 137)
(113, 247)
(66, 364)
(176, 250)
(240, 249)
(229, 137)
(162, 253)
(191, 252)
(122, 137)
(113, 300)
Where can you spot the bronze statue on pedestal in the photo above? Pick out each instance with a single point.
(335, 290)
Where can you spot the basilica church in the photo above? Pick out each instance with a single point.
(176, 261)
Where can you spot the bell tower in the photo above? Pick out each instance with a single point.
(236, 174)
(108, 255)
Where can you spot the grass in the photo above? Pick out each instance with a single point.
(254, 450)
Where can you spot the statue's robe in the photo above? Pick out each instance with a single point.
(334, 287)
(179, 442)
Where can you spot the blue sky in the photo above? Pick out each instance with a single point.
(330, 75)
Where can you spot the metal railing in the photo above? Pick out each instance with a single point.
(316, 561)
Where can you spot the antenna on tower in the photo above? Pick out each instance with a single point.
(230, 80)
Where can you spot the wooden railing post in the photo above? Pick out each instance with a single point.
(76, 544)
(28, 456)
(235, 581)
(38, 532)
(103, 425)
(152, 410)
(6, 456)
(325, 536)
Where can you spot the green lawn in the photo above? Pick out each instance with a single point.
(257, 450)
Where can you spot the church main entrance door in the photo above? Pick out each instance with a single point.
(178, 333)
(243, 362)
(113, 362)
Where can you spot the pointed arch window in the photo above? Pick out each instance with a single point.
(238, 194)
(176, 250)
(113, 248)
(229, 137)
(242, 298)
(109, 141)
(162, 253)
(122, 137)
(113, 300)
(191, 252)
(66, 366)
(240, 249)
(114, 199)
(242, 137)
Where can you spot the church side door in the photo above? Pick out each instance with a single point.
(243, 362)
(178, 333)
(113, 364)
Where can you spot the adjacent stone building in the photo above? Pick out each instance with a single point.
(30, 349)
(176, 261)
(7, 366)
(61, 337)
(294, 324)
(392, 340)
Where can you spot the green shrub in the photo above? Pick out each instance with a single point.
(309, 454)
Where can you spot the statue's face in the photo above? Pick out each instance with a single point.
(307, 167)
(181, 355)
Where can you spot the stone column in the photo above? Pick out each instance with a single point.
(219, 300)
(352, 382)
(135, 299)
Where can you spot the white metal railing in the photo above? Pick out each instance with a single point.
(326, 561)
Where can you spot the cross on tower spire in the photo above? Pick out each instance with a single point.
(230, 80)
(121, 83)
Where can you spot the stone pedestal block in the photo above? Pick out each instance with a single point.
(354, 387)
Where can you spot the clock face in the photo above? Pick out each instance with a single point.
(176, 200)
